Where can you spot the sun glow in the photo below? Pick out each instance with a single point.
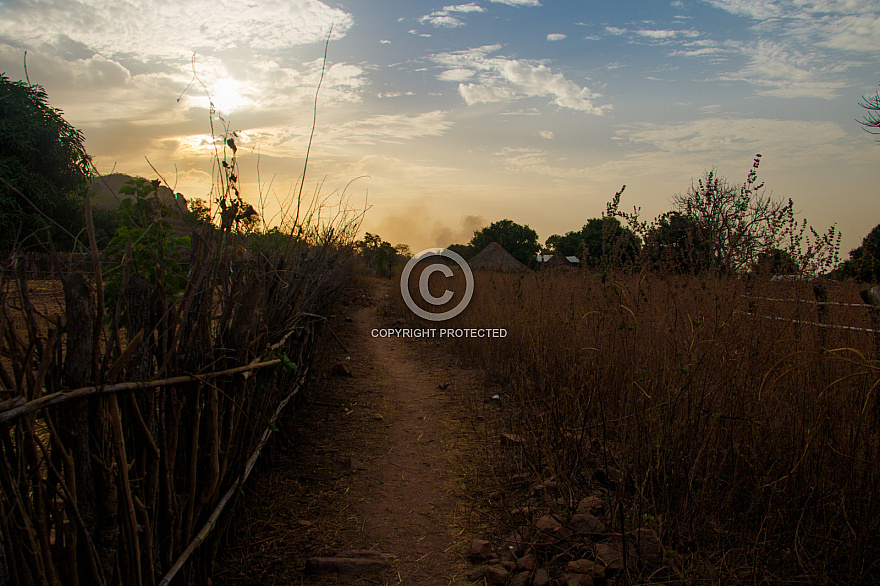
(229, 95)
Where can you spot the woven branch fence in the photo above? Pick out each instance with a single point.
(127, 432)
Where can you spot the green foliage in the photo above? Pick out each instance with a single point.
(43, 157)
(465, 251)
(776, 262)
(198, 212)
(519, 240)
(106, 222)
(727, 227)
(864, 261)
(144, 242)
(676, 243)
(378, 255)
(600, 242)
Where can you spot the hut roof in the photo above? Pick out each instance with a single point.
(495, 258)
(558, 260)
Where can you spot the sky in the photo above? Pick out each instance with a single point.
(438, 119)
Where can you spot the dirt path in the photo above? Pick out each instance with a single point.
(376, 462)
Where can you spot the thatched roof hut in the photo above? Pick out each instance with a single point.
(495, 258)
(559, 260)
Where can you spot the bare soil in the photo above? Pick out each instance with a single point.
(384, 460)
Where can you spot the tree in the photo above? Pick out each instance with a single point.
(739, 222)
(520, 241)
(864, 261)
(775, 262)
(465, 251)
(601, 241)
(871, 120)
(378, 254)
(44, 168)
(725, 227)
(677, 244)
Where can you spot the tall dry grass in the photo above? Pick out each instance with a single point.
(746, 441)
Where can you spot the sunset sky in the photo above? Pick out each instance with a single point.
(451, 116)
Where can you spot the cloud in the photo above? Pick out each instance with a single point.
(546, 134)
(503, 80)
(165, 29)
(613, 30)
(518, 2)
(739, 137)
(471, 7)
(847, 25)
(441, 19)
(756, 9)
(556, 36)
(657, 34)
(787, 73)
(458, 74)
(384, 42)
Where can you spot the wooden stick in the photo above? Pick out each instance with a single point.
(215, 514)
(64, 396)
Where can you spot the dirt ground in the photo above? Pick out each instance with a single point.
(385, 460)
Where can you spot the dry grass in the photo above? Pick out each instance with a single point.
(752, 443)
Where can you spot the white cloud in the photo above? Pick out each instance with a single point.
(503, 80)
(458, 74)
(676, 4)
(168, 29)
(470, 7)
(548, 134)
(757, 9)
(518, 2)
(739, 137)
(441, 19)
(849, 25)
(614, 30)
(658, 34)
(384, 42)
(787, 73)
(556, 36)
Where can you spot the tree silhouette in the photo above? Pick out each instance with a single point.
(871, 120)
(520, 241)
(44, 168)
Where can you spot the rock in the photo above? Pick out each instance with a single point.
(591, 504)
(610, 476)
(481, 550)
(588, 567)
(527, 562)
(609, 555)
(521, 579)
(541, 578)
(340, 369)
(577, 580)
(548, 487)
(518, 540)
(648, 546)
(497, 574)
(550, 529)
(477, 573)
(354, 563)
(511, 439)
(586, 524)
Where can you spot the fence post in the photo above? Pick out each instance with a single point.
(872, 297)
(821, 294)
